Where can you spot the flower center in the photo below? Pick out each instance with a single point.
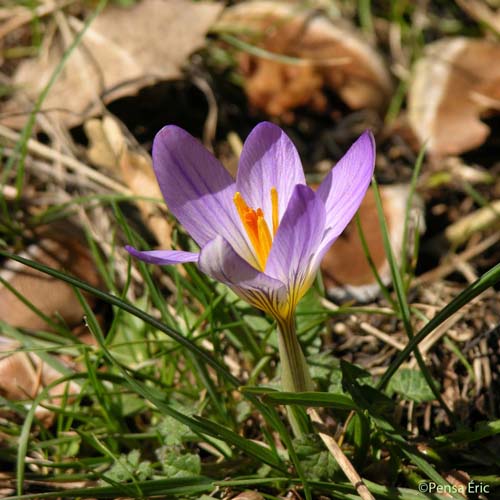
(256, 226)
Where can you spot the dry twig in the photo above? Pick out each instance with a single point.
(341, 459)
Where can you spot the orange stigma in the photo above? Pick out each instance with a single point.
(256, 226)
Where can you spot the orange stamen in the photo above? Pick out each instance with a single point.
(265, 237)
(256, 226)
(274, 204)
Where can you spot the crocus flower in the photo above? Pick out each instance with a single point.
(265, 233)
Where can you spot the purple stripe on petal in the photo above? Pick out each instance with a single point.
(163, 257)
(297, 239)
(197, 188)
(344, 188)
(269, 159)
(219, 261)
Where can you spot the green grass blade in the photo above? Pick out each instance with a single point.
(458, 438)
(373, 267)
(311, 399)
(156, 487)
(23, 444)
(260, 52)
(197, 424)
(404, 308)
(409, 204)
(139, 313)
(251, 448)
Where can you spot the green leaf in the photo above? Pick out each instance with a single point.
(322, 365)
(313, 399)
(360, 431)
(178, 465)
(367, 398)
(127, 466)
(411, 384)
(173, 432)
(335, 385)
(317, 462)
(310, 317)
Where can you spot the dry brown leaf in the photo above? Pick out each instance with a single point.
(108, 148)
(59, 249)
(24, 375)
(137, 172)
(453, 86)
(332, 55)
(346, 271)
(106, 142)
(123, 50)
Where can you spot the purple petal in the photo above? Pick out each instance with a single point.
(269, 159)
(197, 188)
(219, 261)
(163, 257)
(344, 188)
(297, 239)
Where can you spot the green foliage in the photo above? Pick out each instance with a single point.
(318, 463)
(322, 365)
(311, 318)
(327, 371)
(410, 384)
(173, 432)
(361, 388)
(125, 3)
(127, 467)
(139, 381)
(176, 464)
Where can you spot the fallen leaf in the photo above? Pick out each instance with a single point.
(23, 375)
(137, 171)
(58, 248)
(123, 50)
(327, 54)
(345, 268)
(108, 149)
(454, 85)
(106, 142)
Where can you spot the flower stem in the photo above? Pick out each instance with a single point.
(295, 376)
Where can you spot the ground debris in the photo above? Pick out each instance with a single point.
(115, 58)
